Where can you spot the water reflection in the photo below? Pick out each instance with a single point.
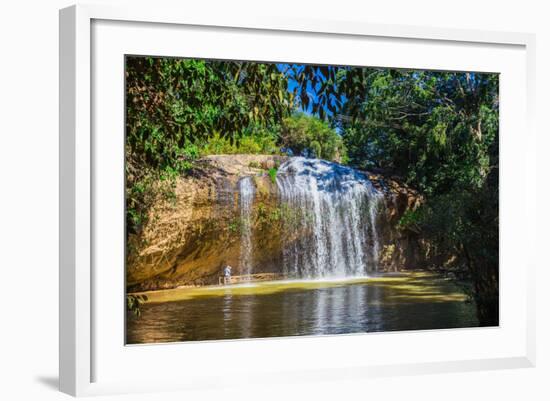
(227, 313)
(411, 304)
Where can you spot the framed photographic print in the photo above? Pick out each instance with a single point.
(291, 198)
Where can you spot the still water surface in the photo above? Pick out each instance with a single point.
(404, 301)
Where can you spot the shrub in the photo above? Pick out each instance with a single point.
(309, 136)
(272, 172)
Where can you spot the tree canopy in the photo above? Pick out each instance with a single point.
(176, 103)
(310, 136)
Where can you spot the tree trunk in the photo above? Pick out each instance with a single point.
(486, 294)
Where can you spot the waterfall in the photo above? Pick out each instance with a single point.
(246, 200)
(330, 219)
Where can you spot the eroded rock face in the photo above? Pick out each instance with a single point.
(402, 249)
(189, 238)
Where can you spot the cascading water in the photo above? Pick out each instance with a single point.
(246, 200)
(330, 219)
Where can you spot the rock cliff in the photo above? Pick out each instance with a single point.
(191, 235)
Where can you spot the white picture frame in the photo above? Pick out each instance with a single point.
(80, 338)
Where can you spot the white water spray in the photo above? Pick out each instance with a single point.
(246, 200)
(330, 219)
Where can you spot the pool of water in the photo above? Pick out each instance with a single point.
(386, 302)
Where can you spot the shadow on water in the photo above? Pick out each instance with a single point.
(392, 302)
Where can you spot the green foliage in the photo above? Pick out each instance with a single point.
(234, 226)
(268, 217)
(438, 130)
(315, 147)
(172, 101)
(249, 144)
(311, 137)
(410, 220)
(134, 302)
(272, 172)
